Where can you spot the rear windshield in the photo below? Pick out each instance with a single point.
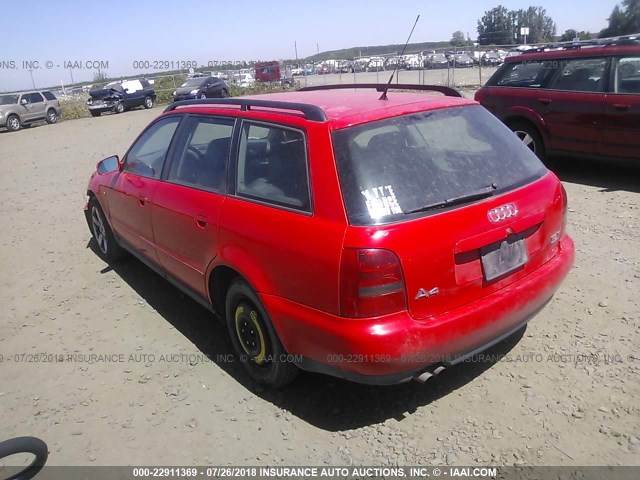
(428, 161)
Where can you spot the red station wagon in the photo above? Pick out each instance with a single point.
(374, 239)
(579, 99)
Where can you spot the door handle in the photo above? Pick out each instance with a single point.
(621, 106)
(201, 221)
(544, 101)
(142, 200)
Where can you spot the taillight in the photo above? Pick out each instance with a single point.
(371, 283)
(565, 206)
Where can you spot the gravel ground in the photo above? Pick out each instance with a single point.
(562, 392)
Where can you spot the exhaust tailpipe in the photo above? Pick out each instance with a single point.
(426, 375)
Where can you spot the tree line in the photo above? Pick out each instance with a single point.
(500, 26)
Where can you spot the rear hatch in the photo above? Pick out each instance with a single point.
(465, 207)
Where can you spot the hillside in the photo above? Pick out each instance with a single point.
(355, 52)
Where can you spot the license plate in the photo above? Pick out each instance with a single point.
(503, 257)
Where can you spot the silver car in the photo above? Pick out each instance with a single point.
(23, 109)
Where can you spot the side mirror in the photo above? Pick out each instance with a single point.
(23, 101)
(108, 165)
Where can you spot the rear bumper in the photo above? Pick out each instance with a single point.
(395, 348)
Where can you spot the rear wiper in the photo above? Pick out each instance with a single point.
(477, 195)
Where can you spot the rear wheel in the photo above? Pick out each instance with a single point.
(94, 114)
(148, 102)
(52, 116)
(254, 338)
(13, 123)
(530, 137)
(108, 247)
(224, 94)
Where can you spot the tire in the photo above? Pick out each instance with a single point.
(254, 338)
(530, 137)
(13, 123)
(148, 102)
(202, 96)
(94, 114)
(224, 94)
(108, 247)
(52, 116)
(119, 108)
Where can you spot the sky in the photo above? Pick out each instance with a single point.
(68, 39)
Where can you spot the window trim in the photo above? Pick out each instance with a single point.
(180, 136)
(169, 153)
(235, 161)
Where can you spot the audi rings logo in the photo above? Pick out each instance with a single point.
(502, 212)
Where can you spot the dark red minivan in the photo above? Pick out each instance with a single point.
(580, 100)
(377, 239)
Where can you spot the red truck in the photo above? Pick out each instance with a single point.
(274, 72)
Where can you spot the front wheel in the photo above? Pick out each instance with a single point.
(255, 340)
(119, 108)
(94, 113)
(530, 137)
(108, 247)
(13, 123)
(148, 102)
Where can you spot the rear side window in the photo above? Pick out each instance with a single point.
(580, 75)
(202, 153)
(35, 98)
(49, 95)
(272, 166)
(524, 74)
(626, 75)
(412, 165)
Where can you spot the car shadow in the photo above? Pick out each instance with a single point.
(325, 402)
(608, 177)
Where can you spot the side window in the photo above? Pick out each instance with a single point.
(272, 166)
(524, 74)
(35, 98)
(146, 156)
(580, 75)
(202, 154)
(626, 75)
(132, 86)
(49, 95)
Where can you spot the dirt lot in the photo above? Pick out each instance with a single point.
(563, 392)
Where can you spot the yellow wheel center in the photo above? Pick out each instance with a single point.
(250, 334)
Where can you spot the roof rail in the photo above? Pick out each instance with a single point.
(599, 42)
(380, 87)
(310, 112)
